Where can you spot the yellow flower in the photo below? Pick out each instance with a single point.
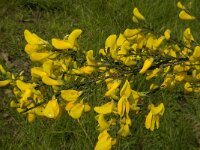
(188, 88)
(104, 141)
(87, 69)
(137, 14)
(70, 95)
(52, 109)
(153, 73)
(24, 86)
(112, 87)
(126, 89)
(102, 123)
(135, 20)
(24, 100)
(153, 86)
(77, 110)
(4, 83)
(147, 64)
(49, 81)
(131, 32)
(2, 70)
(129, 61)
(87, 107)
(180, 5)
(90, 58)
(32, 38)
(185, 16)
(35, 56)
(187, 36)
(14, 104)
(111, 41)
(120, 40)
(39, 110)
(31, 48)
(150, 42)
(167, 34)
(105, 109)
(73, 36)
(158, 42)
(61, 44)
(102, 52)
(123, 106)
(153, 116)
(47, 67)
(124, 130)
(37, 72)
(196, 53)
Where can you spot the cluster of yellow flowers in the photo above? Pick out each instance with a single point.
(62, 70)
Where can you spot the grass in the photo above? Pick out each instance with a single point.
(180, 126)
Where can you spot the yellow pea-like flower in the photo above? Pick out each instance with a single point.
(49, 81)
(35, 56)
(105, 109)
(148, 120)
(158, 42)
(121, 106)
(157, 110)
(39, 110)
(32, 38)
(104, 141)
(69, 105)
(87, 70)
(4, 83)
(90, 58)
(180, 5)
(126, 89)
(153, 73)
(47, 67)
(188, 88)
(113, 86)
(135, 20)
(87, 107)
(74, 35)
(111, 41)
(196, 53)
(14, 104)
(167, 34)
(185, 16)
(137, 14)
(147, 64)
(153, 116)
(129, 61)
(61, 44)
(131, 32)
(102, 123)
(120, 40)
(153, 86)
(22, 85)
(30, 48)
(24, 100)
(124, 130)
(187, 35)
(102, 52)
(76, 110)
(52, 109)
(2, 70)
(150, 42)
(70, 95)
(37, 72)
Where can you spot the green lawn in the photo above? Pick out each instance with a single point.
(180, 125)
